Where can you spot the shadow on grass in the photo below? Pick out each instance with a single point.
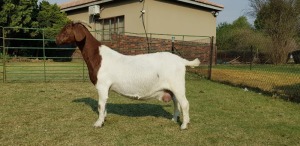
(289, 92)
(131, 110)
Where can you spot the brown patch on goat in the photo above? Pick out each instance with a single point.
(77, 33)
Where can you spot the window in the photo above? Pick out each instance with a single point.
(108, 26)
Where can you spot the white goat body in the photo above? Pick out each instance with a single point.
(143, 77)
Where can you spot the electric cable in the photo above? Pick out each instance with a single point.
(143, 21)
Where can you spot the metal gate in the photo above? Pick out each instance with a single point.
(25, 58)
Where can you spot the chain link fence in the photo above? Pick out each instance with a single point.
(37, 58)
(253, 69)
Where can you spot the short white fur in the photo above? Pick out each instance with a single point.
(143, 76)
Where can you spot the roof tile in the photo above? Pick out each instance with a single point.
(73, 3)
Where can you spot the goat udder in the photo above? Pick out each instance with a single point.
(166, 97)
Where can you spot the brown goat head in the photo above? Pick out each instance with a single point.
(71, 33)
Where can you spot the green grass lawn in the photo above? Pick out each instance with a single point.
(62, 113)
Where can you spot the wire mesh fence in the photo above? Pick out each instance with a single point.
(35, 59)
(38, 59)
(252, 69)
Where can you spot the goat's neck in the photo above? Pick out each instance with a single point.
(89, 48)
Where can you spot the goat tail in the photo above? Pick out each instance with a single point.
(194, 63)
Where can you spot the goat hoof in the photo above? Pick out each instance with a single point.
(98, 124)
(183, 126)
(175, 120)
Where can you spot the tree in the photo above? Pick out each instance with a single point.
(50, 18)
(279, 19)
(224, 37)
(28, 14)
(242, 32)
(235, 36)
(17, 13)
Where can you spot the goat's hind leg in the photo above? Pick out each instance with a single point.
(176, 109)
(103, 96)
(183, 102)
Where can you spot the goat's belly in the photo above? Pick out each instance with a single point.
(142, 92)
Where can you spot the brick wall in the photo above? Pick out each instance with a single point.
(133, 45)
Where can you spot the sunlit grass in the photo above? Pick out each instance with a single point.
(62, 113)
(259, 79)
(281, 80)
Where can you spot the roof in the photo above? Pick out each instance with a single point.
(76, 4)
(210, 3)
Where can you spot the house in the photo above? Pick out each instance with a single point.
(179, 17)
(132, 18)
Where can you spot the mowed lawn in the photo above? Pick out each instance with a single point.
(62, 113)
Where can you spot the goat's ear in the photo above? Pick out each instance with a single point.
(78, 32)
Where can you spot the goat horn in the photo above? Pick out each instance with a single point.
(82, 22)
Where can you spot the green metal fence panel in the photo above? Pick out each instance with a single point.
(1, 64)
(2, 55)
(38, 59)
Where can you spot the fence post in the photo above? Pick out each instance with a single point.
(173, 49)
(4, 55)
(252, 57)
(44, 55)
(211, 57)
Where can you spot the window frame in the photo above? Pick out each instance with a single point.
(113, 26)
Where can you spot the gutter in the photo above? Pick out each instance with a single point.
(105, 1)
(202, 5)
(85, 5)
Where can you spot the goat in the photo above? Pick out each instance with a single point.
(146, 76)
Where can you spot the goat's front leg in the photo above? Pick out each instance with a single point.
(103, 96)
